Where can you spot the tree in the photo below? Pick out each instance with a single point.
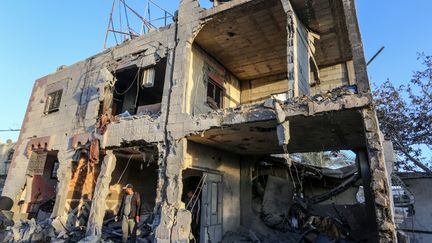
(405, 116)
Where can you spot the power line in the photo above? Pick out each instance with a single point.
(10, 130)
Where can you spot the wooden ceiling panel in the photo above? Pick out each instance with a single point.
(249, 41)
(326, 18)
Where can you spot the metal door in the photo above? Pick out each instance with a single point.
(211, 205)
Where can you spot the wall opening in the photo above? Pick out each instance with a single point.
(52, 103)
(41, 184)
(215, 95)
(138, 167)
(192, 197)
(139, 90)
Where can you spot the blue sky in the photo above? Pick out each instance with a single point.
(38, 36)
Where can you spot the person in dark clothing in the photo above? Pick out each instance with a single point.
(193, 204)
(129, 212)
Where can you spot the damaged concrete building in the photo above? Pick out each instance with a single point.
(224, 102)
(6, 153)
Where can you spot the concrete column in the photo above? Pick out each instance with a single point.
(97, 211)
(290, 27)
(379, 184)
(175, 221)
(64, 173)
(354, 36)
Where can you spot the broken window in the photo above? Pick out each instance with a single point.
(7, 165)
(215, 94)
(52, 103)
(54, 169)
(139, 90)
(326, 159)
(10, 155)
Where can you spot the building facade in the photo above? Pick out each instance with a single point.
(216, 104)
(6, 153)
(414, 212)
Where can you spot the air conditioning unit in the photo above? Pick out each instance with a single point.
(148, 77)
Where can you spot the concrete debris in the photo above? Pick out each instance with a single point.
(102, 123)
(94, 151)
(283, 133)
(126, 116)
(277, 201)
(280, 114)
(28, 231)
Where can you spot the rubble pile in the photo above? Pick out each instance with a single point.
(59, 230)
(28, 231)
(283, 213)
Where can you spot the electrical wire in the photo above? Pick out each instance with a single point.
(289, 170)
(286, 156)
(10, 130)
(135, 79)
(138, 88)
(124, 170)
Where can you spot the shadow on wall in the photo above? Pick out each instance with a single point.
(80, 190)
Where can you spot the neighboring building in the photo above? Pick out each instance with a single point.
(416, 217)
(213, 104)
(6, 153)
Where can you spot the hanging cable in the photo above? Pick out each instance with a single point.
(298, 178)
(124, 170)
(138, 88)
(286, 157)
(122, 93)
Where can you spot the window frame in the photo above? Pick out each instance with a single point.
(222, 93)
(53, 101)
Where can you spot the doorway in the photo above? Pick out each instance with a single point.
(202, 194)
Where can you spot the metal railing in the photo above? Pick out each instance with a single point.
(120, 11)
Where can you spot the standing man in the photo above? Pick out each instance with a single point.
(129, 212)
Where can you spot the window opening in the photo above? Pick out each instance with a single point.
(215, 95)
(53, 101)
(139, 91)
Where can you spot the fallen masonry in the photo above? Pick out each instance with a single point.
(249, 121)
